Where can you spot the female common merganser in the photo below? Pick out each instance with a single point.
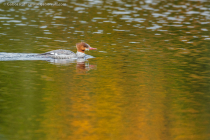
(67, 54)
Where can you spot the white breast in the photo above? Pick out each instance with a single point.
(80, 54)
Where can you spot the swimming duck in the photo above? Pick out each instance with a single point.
(67, 54)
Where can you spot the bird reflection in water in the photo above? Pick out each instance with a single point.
(82, 65)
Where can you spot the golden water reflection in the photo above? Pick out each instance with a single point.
(153, 102)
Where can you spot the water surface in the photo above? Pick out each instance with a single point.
(149, 79)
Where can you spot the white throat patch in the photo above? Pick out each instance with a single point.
(80, 54)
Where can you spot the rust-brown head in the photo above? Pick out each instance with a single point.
(82, 47)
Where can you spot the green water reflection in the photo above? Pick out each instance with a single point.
(149, 80)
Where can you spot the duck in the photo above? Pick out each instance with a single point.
(67, 54)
